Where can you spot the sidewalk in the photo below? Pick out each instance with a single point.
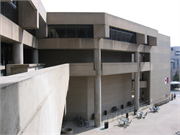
(165, 122)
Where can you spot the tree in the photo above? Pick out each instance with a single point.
(176, 77)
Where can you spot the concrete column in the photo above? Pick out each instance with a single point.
(35, 56)
(18, 53)
(97, 83)
(137, 82)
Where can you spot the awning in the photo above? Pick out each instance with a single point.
(175, 82)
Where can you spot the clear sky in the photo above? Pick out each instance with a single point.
(162, 15)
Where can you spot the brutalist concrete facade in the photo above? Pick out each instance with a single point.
(109, 56)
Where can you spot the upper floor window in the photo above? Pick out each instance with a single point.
(10, 10)
(174, 64)
(177, 63)
(70, 31)
(177, 53)
(122, 35)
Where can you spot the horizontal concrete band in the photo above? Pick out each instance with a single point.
(13, 33)
(87, 69)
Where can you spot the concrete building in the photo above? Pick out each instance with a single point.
(107, 58)
(175, 56)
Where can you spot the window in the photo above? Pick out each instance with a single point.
(177, 63)
(70, 31)
(122, 35)
(10, 10)
(177, 53)
(174, 64)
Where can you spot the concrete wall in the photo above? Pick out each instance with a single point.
(102, 19)
(124, 46)
(116, 90)
(77, 98)
(118, 68)
(145, 66)
(82, 69)
(64, 43)
(160, 69)
(28, 17)
(12, 33)
(33, 102)
(39, 6)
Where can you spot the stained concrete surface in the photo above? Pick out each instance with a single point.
(165, 122)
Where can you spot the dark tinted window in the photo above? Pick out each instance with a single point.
(122, 35)
(70, 31)
(10, 10)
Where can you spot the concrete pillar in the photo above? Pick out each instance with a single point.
(137, 81)
(18, 53)
(97, 83)
(35, 56)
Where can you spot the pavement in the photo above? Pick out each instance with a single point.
(165, 122)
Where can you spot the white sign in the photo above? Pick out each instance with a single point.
(166, 80)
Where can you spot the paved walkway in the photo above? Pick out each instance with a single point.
(165, 122)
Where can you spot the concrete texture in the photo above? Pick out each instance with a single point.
(145, 66)
(80, 97)
(40, 7)
(33, 102)
(12, 69)
(97, 83)
(118, 68)
(160, 69)
(137, 81)
(18, 53)
(12, 33)
(165, 122)
(28, 17)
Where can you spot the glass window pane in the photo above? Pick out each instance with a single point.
(90, 32)
(81, 32)
(119, 35)
(113, 34)
(61, 32)
(71, 32)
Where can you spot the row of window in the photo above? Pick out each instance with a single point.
(122, 35)
(10, 10)
(70, 31)
(86, 31)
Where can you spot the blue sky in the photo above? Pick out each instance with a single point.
(163, 15)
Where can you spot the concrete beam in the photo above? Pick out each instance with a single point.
(28, 16)
(101, 31)
(43, 29)
(152, 41)
(37, 4)
(140, 38)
